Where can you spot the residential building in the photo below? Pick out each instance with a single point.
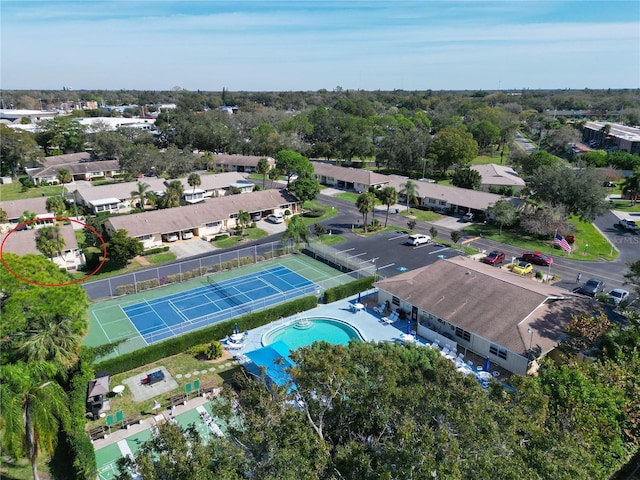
(495, 176)
(489, 311)
(347, 178)
(83, 170)
(239, 163)
(204, 220)
(619, 137)
(16, 208)
(23, 242)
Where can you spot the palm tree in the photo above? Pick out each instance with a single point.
(28, 216)
(33, 409)
(49, 240)
(297, 231)
(194, 181)
(64, 175)
(410, 192)
(388, 197)
(173, 194)
(263, 168)
(49, 339)
(56, 205)
(274, 174)
(365, 203)
(631, 186)
(141, 192)
(244, 219)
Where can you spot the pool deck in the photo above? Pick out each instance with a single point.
(368, 324)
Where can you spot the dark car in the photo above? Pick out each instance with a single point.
(538, 258)
(592, 287)
(494, 258)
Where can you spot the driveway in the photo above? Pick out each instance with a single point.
(189, 248)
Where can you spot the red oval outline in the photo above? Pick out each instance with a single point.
(80, 280)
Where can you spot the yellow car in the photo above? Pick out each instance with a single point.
(522, 268)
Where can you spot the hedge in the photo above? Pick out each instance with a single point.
(153, 251)
(346, 290)
(183, 343)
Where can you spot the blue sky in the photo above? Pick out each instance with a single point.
(309, 45)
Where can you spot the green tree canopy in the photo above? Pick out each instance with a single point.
(297, 231)
(17, 148)
(388, 196)
(49, 240)
(263, 168)
(305, 188)
(365, 203)
(56, 205)
(121, 248)
(452, 146)
(537, 160)
(466, 178)
(292, 163)
(503, 212)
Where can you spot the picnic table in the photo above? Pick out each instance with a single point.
(98, 432)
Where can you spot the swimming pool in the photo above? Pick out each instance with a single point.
(305, 331)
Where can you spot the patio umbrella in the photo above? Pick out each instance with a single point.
(487, 364)
(235, 329)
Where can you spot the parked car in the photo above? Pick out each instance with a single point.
(187, 235)
(494, 258)
(609, 184)
(418, 239)
(617, 296)
(257, 217)
(522, 268)
(592, 287)
(629, 224)
(538, 258)
(172, 238)
(467, 217)
(275, 218)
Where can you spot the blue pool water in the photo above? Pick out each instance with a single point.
(306, 331)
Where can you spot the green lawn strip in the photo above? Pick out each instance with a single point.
(234, 240)
(21, 469)
(348, 196)
(13, 191)
(624, 206)
(330, 239)
(590, 245)
(80, 236)
(389, 228)
(421, 215)
(160, 258)
(178, 364)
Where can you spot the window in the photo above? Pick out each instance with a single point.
(395, 301)
(212, 224)
(142, 238)
(463, 334)
(442, 202)
(498, 351)
(233, 215)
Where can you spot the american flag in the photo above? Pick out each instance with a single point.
(561, 242)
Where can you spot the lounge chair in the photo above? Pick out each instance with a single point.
(379, 309)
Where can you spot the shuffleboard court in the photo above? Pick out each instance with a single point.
(182, 312)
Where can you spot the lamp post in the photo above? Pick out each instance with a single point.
(530, 332)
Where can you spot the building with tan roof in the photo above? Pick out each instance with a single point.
(487, 310)
(16, 208)
(23, 242)
(239, 163)
(205, 219)
(348, 178)
(498, 176)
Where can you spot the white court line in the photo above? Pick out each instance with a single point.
(438, 251)
(124, 449)
(358, 255)
(397, 237)
(180, 314)
(386, 266)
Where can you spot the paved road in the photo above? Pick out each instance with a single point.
(525, 144)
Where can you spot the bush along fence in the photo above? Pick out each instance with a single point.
(343, 291)
(150, 278)
(183, 343)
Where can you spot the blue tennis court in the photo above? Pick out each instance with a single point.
(182, 312)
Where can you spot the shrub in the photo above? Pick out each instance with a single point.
(539, 275)
(214, 350)
(153, 251)
(220, 237)
(147, 284)
(173, 278)
(315, 213)
(127, 289)
(351, 288)
(199, 350)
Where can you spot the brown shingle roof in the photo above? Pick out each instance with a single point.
(183, 218)
(76, 168)
(24, 241)
(15, 208)
(350, 175)
(493, 303)
(244, 160)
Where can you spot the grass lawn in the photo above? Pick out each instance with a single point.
(110, 270)
(348, 196)
(590, 244)
(13, 191)
(624, 206)
(390, 228)
(421, 215)
(21, 469)
(330, 239)
(178, 364)
(234, 240)
(313, 205)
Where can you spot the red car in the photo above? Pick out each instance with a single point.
(538, 258)
(494, 258)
